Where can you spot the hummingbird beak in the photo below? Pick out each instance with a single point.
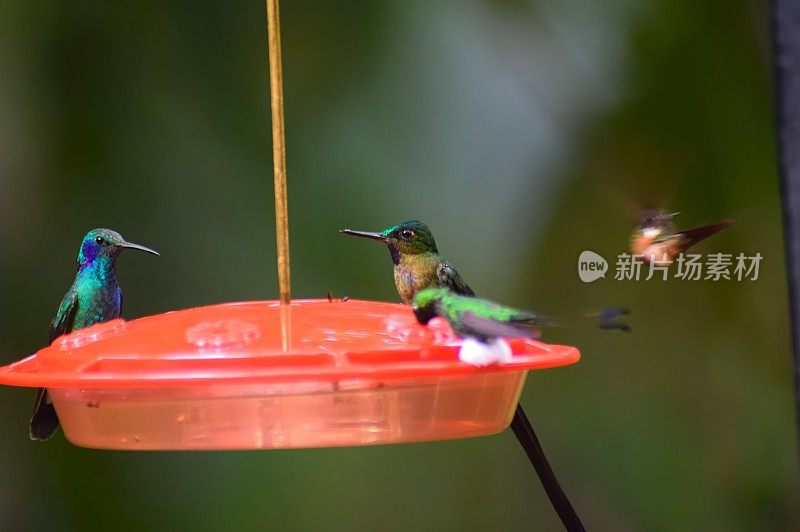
(365, 234)
(129, 245)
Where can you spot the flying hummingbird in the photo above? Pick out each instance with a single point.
(94, 297)
(416, 259)
(655, 238)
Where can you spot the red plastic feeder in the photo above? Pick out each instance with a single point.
(259, 375)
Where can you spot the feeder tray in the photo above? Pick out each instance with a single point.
(261, 375)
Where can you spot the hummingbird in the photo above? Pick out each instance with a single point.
(417, 262)
(483, 323)
(419, 266)
(94, 297)
(475, 318)
(656, 240)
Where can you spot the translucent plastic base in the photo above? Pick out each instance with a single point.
(303, 414)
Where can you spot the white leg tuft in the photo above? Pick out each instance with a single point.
(477, 353)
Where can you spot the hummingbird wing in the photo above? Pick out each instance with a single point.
(44, 420)
(691, 237)
(486, 328)
(449, 278)
(65, 315)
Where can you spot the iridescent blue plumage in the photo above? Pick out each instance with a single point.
(94, 297)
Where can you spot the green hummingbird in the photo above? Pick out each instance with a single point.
(419, 266)
(417, 262)
(487, 322)
(476, 318)
(481, 323)
(94, 297)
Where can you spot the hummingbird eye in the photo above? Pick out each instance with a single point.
(100, 240)
(406, 234)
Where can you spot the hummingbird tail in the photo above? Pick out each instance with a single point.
(693, 236)
(609, 318)
(606, 318)
(44, 421)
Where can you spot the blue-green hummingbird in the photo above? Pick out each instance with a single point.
(94, 297)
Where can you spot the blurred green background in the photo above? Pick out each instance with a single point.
(522, 132)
